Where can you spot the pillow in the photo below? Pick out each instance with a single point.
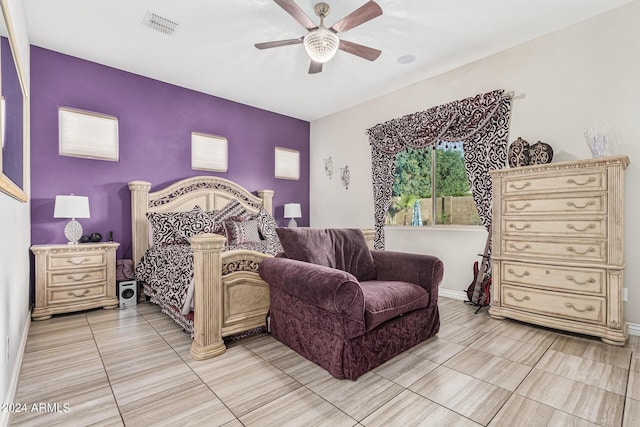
(312, 245)
(352, 253)
(170, 228)
(266, 225)
(232, 209)
(239, 232)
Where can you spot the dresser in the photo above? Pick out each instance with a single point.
(557, 246)
(74, 277)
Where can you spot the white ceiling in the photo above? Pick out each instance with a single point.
(213, 50)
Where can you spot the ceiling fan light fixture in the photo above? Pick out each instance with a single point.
(321, 44)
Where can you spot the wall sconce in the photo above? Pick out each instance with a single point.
(328, 167)
(345, 176)
(292, 210)
(72, 207)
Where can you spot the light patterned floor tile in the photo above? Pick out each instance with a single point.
(405, 369)
(597, 374)
(516, 351)
(635, 362)
(267, 347)
(530, 334)
(299, 368)
(459, 334)
(409, 409)
(593, 349)
(247, 389)
(487, 367)
(357, 398)
(633, 388)
(631, 413)
(468, 396)
(190, 406)
(232, 360)
(437, 349)
(584, 401)
(301, 407)
(518, 408)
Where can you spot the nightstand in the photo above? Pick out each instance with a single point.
(74, 277)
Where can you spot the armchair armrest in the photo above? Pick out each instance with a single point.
(330, 289)
(424, 270)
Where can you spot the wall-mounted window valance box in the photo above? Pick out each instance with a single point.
(87, 134)
(209, 152)
(287, 163)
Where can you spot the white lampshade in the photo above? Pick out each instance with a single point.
(72, 207)
(321, 44)
(292, 210)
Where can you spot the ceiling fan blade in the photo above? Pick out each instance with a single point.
(364, 13)
(315, 67)
(269, 45)
(365, 52)
(298, 14)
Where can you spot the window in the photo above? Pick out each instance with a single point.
(424, 175)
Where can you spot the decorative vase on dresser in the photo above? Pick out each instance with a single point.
(557, 246)
(74, 277)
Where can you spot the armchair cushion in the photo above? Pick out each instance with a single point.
(384, 300)
(342, 249)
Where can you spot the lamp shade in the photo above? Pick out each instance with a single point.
(292, 210)
(71, 207)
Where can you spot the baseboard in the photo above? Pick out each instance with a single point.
(13, 384)
(632, 328)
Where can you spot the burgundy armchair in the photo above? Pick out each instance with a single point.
(344, 307)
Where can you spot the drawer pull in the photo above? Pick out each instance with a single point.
(75, 261)
(572, 249)
(77, 293)
(522, 187)
(75, 277)
(524, 298)
(573, 279)
(588, 227)
(526, 273)
(586, 205)
(524, 227)
(525, 206)
(589, 308)
(512, 246)
(588, 181)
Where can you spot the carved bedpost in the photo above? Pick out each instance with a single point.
(139, 228)
(267, 200)
(207, 310)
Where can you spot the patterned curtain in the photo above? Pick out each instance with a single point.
(481, 121)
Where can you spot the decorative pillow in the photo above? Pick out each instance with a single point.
(266, 225)
(170, 228)
(239, 232)
(232, 209)
(312, 245)
(352, 253)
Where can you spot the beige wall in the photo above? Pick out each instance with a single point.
(564, 81)
(14, 250)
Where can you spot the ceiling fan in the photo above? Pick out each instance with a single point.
(321, 43)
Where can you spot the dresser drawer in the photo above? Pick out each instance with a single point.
(573, 227)
(575, 250)
(75, 260)
(592, 281)
(593, 180)
(76, 278)
(76, 294)
(570, 204)
(565, 306)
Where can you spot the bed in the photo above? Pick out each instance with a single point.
(228, 295)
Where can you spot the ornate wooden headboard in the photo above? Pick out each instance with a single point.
(208, 192)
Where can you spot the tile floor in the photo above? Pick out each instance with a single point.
(132, 367)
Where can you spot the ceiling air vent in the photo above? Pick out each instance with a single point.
(158, 23)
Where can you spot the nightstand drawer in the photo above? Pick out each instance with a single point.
(575, 279)
(77, 278)
(565, 306)
(76, 294)
(75, 260)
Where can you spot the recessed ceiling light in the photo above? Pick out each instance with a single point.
(406, 59)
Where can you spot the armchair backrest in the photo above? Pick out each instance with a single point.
(340, 248)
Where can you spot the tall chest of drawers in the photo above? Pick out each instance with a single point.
(74, 277)
(557, 246)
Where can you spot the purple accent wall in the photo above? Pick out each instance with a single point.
(155, 124)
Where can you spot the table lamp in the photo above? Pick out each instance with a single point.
(72, 207)
(292, 210)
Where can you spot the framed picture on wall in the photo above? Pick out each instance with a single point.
(87, 134)
(209, 152)
(287, 163)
